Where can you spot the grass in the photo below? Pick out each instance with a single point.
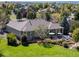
(34, 50)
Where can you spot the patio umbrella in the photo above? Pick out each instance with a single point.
(51, 33)
(59, 33)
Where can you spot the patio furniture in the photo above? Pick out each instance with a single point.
(51, 35)
(59, 35)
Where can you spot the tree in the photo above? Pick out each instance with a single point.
(75, 24)
(41, 32)
(31, 15)
(11, 39)
(65, 25)
(4, 19)
(37, 6)
(64, 14)
(19, 15)
(75, 35)
(77, 16)
(46, 5)
(48, 16)
(24, 40)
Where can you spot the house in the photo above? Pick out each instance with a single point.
(29, 26)
(42, 12)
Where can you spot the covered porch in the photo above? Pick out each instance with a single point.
(56, 33)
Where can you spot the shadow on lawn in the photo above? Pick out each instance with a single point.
(25, 44)
(1, 55)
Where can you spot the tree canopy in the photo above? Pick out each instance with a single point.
(66, 26)
(75, 35)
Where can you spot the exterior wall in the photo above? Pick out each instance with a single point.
(9, 29)
(31, 34)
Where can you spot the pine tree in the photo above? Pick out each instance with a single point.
(65, 25)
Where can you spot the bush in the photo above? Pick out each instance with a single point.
(57, 42)
(46, 43)
(65, 44)
(54, 42)
(75, 35)
(74, 25)
(39, 42)
(77, 48)
(48, 40)
(24, 41)
(70, 42)
(12, 39)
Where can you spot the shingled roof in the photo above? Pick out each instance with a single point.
(31, 25)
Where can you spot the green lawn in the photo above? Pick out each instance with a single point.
(35, 50)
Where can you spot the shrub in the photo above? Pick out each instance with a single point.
(11, 39)
(54, 42)
(59, 42)
(48, 40)
(39, 42)
(24, 41)
(70, 41)
(74, 25)
(77, 48)
(65, 44)
(75, 35)
(46, 43)
(11, 36)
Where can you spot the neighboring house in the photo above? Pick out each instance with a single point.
(43, 11)
(29, 26)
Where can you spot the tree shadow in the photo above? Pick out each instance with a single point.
(1, 55)
(25, 43)
(13, 44)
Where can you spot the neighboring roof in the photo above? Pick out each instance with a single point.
(45, 10)
(31, 25)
